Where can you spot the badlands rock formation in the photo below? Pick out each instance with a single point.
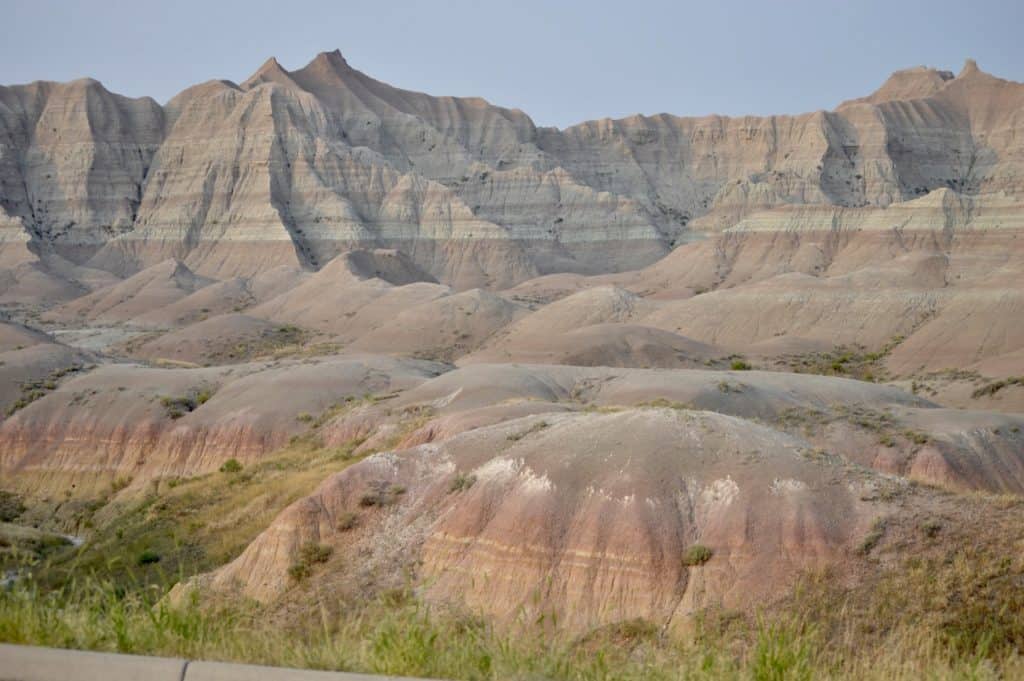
(588, 513)
(537, 366)
(290, 168)
(595, 533)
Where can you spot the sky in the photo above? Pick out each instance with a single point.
(560, 62)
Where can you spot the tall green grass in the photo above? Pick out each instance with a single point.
(404, 637)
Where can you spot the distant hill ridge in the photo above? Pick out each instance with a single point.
(292, 167)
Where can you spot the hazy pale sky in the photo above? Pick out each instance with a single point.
(561, 62)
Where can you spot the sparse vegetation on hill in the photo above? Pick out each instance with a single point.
(995, 386)
(25, 547)
(11, 506)
(309, 557)
(178, 406)
(848, 361)
(34, 390)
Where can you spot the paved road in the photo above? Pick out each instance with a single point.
(28, 663)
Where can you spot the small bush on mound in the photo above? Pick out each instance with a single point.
(347, 521)
(309, 555)
(371, 499)
(662, 403)
(148, 557)
(727, 387)
(461, 482)
(299, 571)
(119, 484)
(740, 365)
(931, 528)
(10, 506)
(916, 437)
(381, 493)
(698, 554)
(315, 553)
(996, 386)
(535, 428)
(231, 466)
(873, 537)
(177, 407)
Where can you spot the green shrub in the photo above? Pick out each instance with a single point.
(348, 520)
(309, 555)
(461, 482)
(119, 484)
(872, 538)
(148, 557)
(299, 571)
(916, 437)
(698, 554)
(315, 553)
(11, 506)
(371, 499)
(231, 466)
(381, 493)
(177, 407)
(740, 365)
(994, 387)
(931, 528)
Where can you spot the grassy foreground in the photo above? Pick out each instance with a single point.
(397, 635)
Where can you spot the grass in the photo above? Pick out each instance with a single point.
(949, 609)
(883, 424)
(23, 547)
(199, 523)
(282, 341)
(663, 403)
(195, 524)
(818, 637)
